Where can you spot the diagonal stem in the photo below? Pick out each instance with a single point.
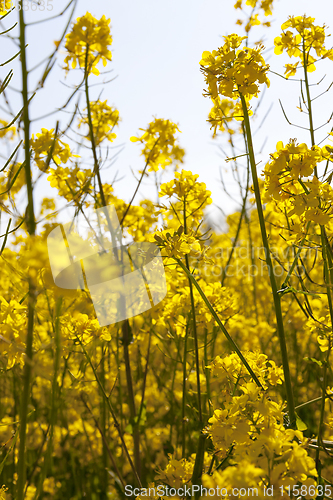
(276, 297)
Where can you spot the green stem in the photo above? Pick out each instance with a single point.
(54, 402)
(326, 252)
(322, 411)
(199, 460)
(239, 225)
(126, 326)
(310, 402)
(219, 322)
(201, 444)
(91, 131)
(309, 104)
(276, 297)
(207, 373)
(31, 225)
(115, 420)
(104, 433)
(296, 257)
(195, 332)
(184, 395)
(131, 400)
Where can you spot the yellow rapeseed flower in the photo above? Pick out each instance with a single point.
(160, 144)
(304, 38)
(104, 119)
(88, 43)
(42, 144)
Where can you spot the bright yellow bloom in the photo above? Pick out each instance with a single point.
(253, 21)
(9, 132)
(48, 204)
(42, 144)
(177, 244)
(160, 145)
(230, 72)
(71, 183)
(88, 43)
(222, 114)
(186, 188)
(104, 119)
(307, 37)
(265, 5)
(14, 171)
(287, 165)
(5, 6)
(286, 182)
(177, 472)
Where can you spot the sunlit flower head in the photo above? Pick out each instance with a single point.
(88, 43)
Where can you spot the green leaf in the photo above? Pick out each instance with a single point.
(291, 289)
(129, 429)
(319, 363)
(301, 426)
(9, 451)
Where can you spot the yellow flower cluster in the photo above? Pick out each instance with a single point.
(137, 399)
(222, 114)
(251, 425)
(304, 38)
(104, 119)
(177, 472)
(229, 369)
(8, 132)
(284, 181)
(231, 72)
(71, 183)
(5, 6)
(265, 5)
(43, 144)
(160, 145)
(178, 244)
(189, 193)
(88, 43)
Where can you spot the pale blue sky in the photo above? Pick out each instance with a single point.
(156, 51)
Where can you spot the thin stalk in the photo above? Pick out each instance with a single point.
(184, 395)
(201, 444)
(328, 279)
(126, 327)
(104, 433)
(31, 225)
(322, 411)
(144, 383)
(326, 252)
(239, 225)
(194, 322)
(310, 402)
(105, 441)
(91, 131)
(219, 322)
(276, 297)
(296, 257)
(115, 420)
(54, 402)
(308, 98)
(243, 209)
(254, 285)
(131, 400)
(207, 373)
(199, 460)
